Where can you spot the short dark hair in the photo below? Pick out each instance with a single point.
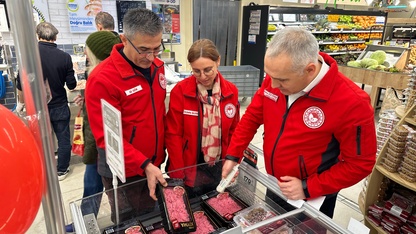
(46, 31)
(105, 19)
(143, 21)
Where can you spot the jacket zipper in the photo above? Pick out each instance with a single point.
(358, 139)
(302, 167)
(154, 113)
(281, 132)
(278, 137)
(133, 134)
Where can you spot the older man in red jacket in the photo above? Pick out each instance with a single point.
(319, 131)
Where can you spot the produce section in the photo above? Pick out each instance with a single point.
(341, 36)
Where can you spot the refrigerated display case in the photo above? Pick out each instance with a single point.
(343, 34)
(251, 190)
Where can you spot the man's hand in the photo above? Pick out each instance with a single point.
(19, 107)
(78, 100)
(227, 167)
(291, 187)
(154, 176)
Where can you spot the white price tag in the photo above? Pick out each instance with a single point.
(246, 180)
(113, 135)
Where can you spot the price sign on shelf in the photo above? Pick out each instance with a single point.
(248, 181)
(113, 136)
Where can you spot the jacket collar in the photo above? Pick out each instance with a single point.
(45, 43)
(324, 88)
(190, 89)
(124, 68)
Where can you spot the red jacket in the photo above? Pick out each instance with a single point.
(142, 110)
(327, 136)
(184, 124)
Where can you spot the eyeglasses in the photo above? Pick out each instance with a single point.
(147, 53)
(209, 71)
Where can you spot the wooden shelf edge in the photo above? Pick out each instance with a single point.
(396, 178)
(400, 113)
(361, 198)
(378, 229)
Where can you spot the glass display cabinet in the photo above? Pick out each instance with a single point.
(258, 206)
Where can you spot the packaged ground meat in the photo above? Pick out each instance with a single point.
(134, 230)
(175, 208)
(261, 212)
(204, 224)
(407, 229)
(222, 205)
(399, 206)
(132, 226)
(156, 228)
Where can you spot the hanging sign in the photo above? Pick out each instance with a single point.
(40, 10)
(82, 15)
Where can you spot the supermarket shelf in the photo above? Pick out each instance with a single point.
(339, 43)
(400, 112)
(347, 31)
(345, 52)
(396, 178)
(298, 22)
(378, 229)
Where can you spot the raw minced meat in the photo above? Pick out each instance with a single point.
(175, 204)
(224, 204)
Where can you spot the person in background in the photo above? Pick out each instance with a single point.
(58, 71)
(319, 131)
(105, 22)
(132, 80)
(99, 45)
(203, 113)
(98, 48)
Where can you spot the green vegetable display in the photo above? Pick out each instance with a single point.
(367, 62)
(379, 56)
(354, 64)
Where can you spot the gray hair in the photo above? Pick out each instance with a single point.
(300, 45)
(105, 19)
(46, 31)
(143, 21)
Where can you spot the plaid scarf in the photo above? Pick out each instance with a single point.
(211, 123)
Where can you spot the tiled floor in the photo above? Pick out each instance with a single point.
(72, 188)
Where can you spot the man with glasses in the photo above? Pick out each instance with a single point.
(132, 80)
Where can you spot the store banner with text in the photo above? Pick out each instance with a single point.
(167, 10)
(82, 14)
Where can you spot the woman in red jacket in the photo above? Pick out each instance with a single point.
(203, 113)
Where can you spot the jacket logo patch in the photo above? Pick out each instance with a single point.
(313, 117)
(133, 90)
(190, 112)
(230, 110)
(162, 81)
(271, 96)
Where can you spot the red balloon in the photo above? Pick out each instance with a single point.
(22, 174)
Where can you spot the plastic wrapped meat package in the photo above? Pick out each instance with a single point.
(132, 226)
(175, 207)
(258, 213)
(204, 224)
(156, 228)
(134, 230)
(224, 205)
